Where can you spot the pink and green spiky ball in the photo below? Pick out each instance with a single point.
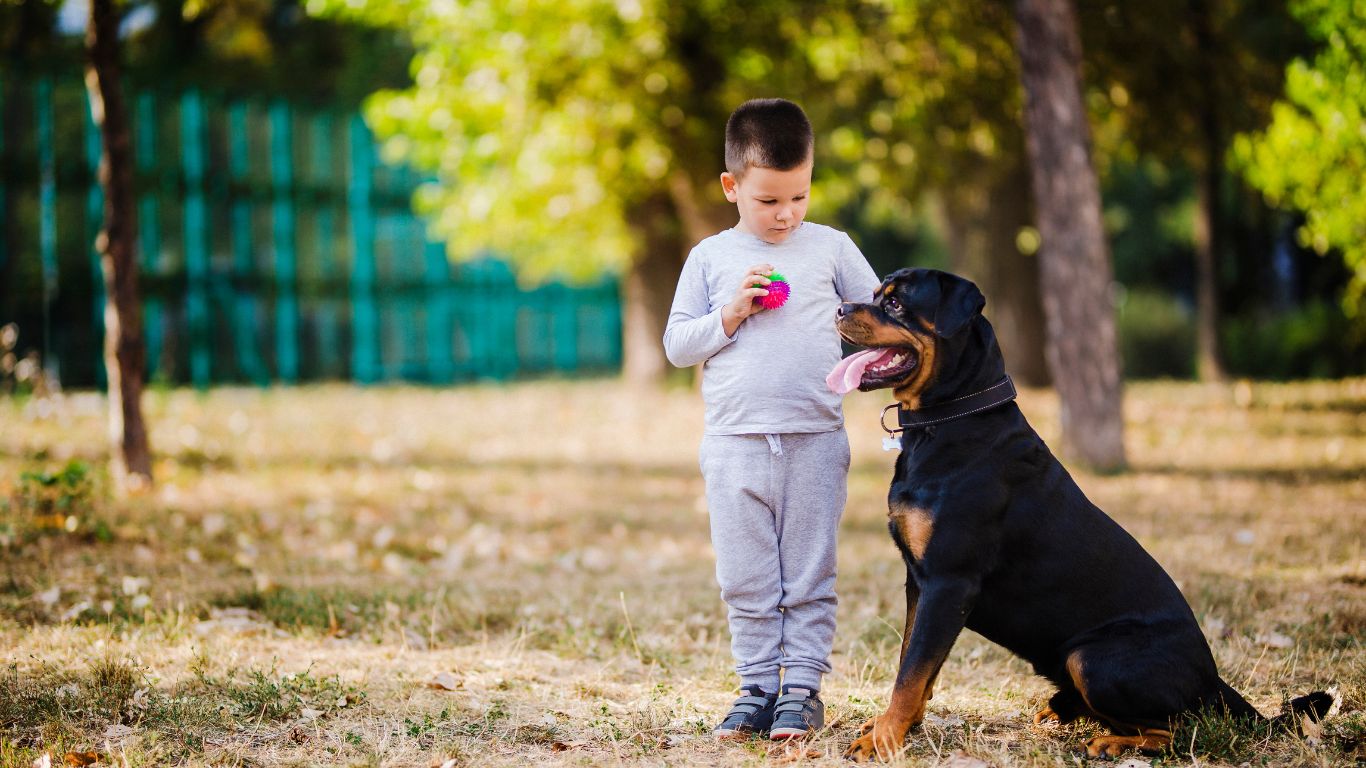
(778, 291)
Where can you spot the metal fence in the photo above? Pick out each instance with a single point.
(275, 247)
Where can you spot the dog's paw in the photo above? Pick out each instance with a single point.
(878, 740)
(1151, 742)
(1046, 715)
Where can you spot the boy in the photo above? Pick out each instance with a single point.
(774, 455)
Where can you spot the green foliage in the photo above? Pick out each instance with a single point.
(1316, 341)
(1156, 336)
(46, 502)
(268, 696)
(1312, 156)
(547, 124)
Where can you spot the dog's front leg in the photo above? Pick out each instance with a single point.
(934, 623)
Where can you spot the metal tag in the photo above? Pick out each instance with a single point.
(891, 443)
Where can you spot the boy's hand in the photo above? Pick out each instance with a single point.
(744, 304)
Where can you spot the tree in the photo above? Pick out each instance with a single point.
(572, 137)
(1313, 154)
(1178, 79)
(1075, 267)
(124, 348)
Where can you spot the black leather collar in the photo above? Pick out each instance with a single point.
(999, 393)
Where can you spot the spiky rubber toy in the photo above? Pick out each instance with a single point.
(778, 291)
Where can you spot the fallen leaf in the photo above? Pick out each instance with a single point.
(117, 731)
(961, 759)
(44, 761)
(952, 721)
(1134, 762)
(81, 758)
(1312, 731)
(311, 714)
(50, 597)
(445, 681)
(450, 763)
(1275, 640)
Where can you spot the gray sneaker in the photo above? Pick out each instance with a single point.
(750, 714)
(799, 711)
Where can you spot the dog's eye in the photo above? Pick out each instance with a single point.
(892, 304)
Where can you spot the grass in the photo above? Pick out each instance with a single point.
(503, 576)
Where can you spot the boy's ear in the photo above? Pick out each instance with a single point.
(959, 301)
(728, 186)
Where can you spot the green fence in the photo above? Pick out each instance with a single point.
(275, 247)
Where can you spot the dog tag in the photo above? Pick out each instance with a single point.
(891, 443)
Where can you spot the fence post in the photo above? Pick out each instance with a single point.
(149, 222)
(440, 361)
(365, 320)
(243, 247)
(329, 338)
(196, 223)
(286, 265)
(47, 216)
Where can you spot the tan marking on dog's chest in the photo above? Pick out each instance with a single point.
(914, 527)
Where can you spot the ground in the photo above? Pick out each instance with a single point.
(521, 575)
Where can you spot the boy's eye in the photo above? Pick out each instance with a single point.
(768, 202)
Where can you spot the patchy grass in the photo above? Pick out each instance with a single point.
(522, 575)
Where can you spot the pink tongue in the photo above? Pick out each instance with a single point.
(849, 371)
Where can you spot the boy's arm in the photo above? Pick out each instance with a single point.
(855, 279)
(695, 332)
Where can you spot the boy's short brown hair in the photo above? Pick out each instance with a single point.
(767, 133)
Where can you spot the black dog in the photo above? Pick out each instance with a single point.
(997, 537)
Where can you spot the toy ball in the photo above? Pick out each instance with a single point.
(778, 291)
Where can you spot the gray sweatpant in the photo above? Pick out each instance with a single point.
(775, 503)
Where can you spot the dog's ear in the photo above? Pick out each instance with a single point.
(959, 302)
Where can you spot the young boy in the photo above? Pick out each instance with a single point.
(774, 455)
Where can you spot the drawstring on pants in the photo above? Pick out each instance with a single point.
(775, 444)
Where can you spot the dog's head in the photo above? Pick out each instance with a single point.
(915, 324)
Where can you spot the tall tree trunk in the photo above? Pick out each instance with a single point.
(1208, 230)
(982, 226)
(124, 349)
(649, 291)
(1075, 265)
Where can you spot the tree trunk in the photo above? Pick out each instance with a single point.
(649, 291)
(1209, 363)
(982, 225)
(1074, 261)
(124, 350)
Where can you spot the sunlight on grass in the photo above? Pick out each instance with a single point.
(313, 559)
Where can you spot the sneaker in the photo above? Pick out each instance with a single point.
(750, 714)
(797, 712)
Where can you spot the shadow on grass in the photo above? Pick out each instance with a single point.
(1293, 477)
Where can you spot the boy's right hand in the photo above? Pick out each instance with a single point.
(743, 304)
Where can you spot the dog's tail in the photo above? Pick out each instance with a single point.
(1315, 706)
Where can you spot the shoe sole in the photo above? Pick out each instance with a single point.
(787, 734)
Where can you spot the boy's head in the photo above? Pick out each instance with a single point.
(768, 166)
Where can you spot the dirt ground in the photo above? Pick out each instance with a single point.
(512, 576)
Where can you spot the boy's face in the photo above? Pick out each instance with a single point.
(772, 203)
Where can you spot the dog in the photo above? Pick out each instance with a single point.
(998, 538)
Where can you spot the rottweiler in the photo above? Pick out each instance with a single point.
(998, 538)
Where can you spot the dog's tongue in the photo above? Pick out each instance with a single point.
(849, 371)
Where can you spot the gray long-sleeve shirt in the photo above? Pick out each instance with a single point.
(769, 377)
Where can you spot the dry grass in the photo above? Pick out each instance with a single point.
(313, 557)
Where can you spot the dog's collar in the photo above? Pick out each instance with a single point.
(999, 393)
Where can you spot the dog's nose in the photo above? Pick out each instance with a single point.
(843, 310)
